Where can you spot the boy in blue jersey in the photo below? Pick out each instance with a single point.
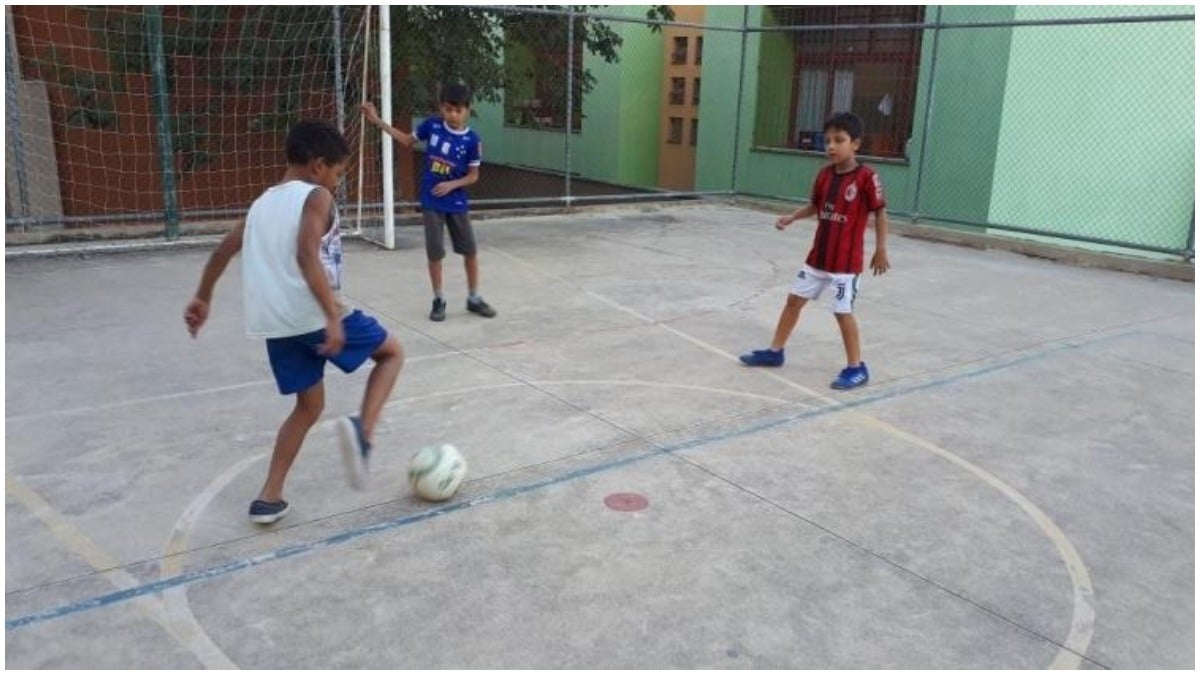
(452, 156)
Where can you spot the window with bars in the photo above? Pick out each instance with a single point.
(679, 52)
(675, 131)
(858, 65)
(699, 49)
(696, 91)
(678, 90)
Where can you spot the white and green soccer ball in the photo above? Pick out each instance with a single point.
(436, 472)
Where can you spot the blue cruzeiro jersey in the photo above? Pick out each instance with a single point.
(449, 155)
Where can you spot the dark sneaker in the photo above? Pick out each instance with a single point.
(355, 451)
(481, 308)
(438, 313)
(265, 513)
(763, 357)
(850, 378)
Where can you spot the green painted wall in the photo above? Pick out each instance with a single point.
(1111, 105)
(641, 77)
(718, 99)
(777, 56)
(1013, 108)
(968, 97)
(619, 139)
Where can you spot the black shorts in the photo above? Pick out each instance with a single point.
(461, 235)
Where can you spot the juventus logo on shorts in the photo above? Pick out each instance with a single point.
(802, 275)
(841, 291)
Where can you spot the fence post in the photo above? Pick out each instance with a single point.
(570, 102)
(166, 150)
(737, 115)
(937, 29)
(339, 87)
(339, 81)
(1189, 252)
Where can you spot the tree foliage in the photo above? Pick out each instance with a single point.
(432, 45)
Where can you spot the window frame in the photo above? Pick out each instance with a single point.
(678, 55)
(672, 138)
(830, 60)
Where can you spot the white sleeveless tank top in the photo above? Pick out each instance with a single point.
(277, 300)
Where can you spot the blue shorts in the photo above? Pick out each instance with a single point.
(297, 365)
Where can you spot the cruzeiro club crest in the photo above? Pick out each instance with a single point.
(851, 192)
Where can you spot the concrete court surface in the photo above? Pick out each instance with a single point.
(1013, 489)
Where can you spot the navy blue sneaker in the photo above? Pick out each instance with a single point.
(438, 313)
(478, 306)
(265, 513)
(763, 357)
(850, 378)
(355, 451)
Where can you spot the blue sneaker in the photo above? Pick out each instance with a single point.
(265, 513)
(763, 357)
(850, 378)
(355, 451)
(438, 313)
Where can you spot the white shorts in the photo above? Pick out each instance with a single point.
(810, 283)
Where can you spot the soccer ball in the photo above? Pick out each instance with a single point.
(436, 472)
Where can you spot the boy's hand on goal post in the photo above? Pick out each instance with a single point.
(369, 110)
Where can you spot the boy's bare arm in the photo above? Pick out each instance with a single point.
(375, 120)
(196, 312)
(447, 186)
(879, 261)
(802, 212)
(315, 222)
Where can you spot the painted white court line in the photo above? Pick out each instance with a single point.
(1083, 616)
(186, 633)
(83, 410)
(175, 601)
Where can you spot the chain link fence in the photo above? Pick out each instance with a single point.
(1069, 123)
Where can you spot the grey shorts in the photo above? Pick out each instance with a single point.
(461, 235)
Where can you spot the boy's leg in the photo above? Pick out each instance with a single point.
(855, 373)
(808, 285)
(788, 317)
(435, 276)
(389, 359)
(846, 286)
(365, 339)
(435, 250)
(849, 326)
(463, 238)
(309, 405)
(471, 265)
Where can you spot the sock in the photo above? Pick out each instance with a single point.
(474, 297)
(438, 294)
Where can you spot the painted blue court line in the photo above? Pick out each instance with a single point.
(508, 493)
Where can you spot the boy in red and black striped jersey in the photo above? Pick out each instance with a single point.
(843, 195)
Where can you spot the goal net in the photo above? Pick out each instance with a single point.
(143, 118)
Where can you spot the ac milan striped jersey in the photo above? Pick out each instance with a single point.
(843, 201)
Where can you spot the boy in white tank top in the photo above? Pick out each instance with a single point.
(292, 277)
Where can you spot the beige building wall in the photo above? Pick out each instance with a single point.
(681, 118)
